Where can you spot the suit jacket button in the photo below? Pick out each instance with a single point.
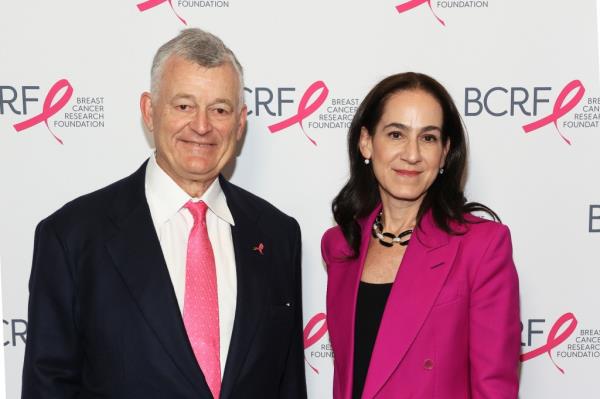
(428, 364)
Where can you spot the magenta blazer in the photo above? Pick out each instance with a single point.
(451, 327)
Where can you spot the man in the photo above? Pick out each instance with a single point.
(171, 283)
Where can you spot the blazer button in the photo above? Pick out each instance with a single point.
(428, 364)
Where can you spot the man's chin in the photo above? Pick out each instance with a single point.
(201, 175)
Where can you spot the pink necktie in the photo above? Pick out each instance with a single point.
(201, 306)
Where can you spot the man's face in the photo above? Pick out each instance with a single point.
(196, 119)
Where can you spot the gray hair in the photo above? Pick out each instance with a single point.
(200, 47)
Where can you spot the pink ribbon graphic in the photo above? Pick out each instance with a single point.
(553, 340)
(304, 110)
(310, 340)
(560, 109)
(146, 5)
(409, 5)
(48, 108)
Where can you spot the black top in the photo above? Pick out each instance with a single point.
(369, 311)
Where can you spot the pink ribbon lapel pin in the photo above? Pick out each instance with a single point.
(259, 248)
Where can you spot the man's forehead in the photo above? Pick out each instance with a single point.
(182, 69)
(179, 61)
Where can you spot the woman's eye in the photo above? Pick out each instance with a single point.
(430, 138)
(395, 135)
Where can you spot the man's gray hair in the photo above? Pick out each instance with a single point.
(200, 47)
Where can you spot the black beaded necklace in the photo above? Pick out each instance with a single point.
(388, 239)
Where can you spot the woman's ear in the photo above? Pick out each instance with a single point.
(445, 153)
(365, 143)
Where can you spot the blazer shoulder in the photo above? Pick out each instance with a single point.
(334, 246)
(480, 227)
(331, 236)
(485, 237)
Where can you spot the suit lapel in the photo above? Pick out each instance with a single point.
(251, 269)
(423, 271)
(137, 255)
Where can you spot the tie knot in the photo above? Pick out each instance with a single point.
(198, 210)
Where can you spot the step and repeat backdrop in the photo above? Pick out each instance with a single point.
(523, 73)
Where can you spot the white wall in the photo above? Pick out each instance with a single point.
(541, 186)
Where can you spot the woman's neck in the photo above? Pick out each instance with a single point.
(398, 216)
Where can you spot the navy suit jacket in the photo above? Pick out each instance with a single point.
(104, 320)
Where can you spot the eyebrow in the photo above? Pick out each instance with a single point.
(223, 100)
(183, 96)
(402, 126)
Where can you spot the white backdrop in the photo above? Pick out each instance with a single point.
(508, 63)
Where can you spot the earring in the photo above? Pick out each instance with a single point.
(367, 161)
(441, 171)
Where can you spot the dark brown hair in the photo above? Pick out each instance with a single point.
(445, 197)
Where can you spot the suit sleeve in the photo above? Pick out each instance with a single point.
(293, 383)
(495, 323)
(53, 355)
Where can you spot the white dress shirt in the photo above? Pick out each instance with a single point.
(173, 223)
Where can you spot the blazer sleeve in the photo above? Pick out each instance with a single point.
(494, 323)
(53, 354)
(293, 385)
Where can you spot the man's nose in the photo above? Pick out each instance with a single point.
(201, 122)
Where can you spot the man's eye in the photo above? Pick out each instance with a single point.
(221, 110)
(395, 135)
(183, 107)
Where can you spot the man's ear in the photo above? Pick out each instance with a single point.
(146, 108)
(242, 122)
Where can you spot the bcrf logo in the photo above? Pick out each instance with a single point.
(266, 101)
(16, 99)
(149, 4)
(499, 101)
(409, 5)
(315, 329)
(559, 332)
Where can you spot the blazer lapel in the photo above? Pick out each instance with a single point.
(423, 271)
(137, 255)
(251, 268)
(344, 308)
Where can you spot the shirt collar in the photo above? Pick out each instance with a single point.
(167, 198)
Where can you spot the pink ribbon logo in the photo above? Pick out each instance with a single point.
(49, 109)
(553, 339)
(310, 340)
(146, 5)
(409, 5)
(560, 109)
(304, 109)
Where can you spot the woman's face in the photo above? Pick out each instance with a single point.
(406, 149)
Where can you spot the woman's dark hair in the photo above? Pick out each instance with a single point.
(445, 197)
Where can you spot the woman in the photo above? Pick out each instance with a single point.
(422, 296)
